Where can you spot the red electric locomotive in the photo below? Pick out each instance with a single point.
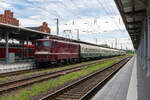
(17, 49)
(51, 50)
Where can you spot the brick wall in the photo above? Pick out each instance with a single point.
(8, 18)
(45, 28)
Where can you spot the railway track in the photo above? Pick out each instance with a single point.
(86, 87)
(34, 69)
(16, 72)
(24, 71)
(11, 85)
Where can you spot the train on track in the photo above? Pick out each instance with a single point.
(17, 49)
(59, 51)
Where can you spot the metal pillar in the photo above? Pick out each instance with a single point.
(145, 46)
(148, 49)
(139, 52)
(142, 51)
(22, 49)
(7, 47)
(27, 49)
(77, 34)
(57, 26)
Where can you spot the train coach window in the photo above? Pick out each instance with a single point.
(29, 50)
(38, 43)
(68, 45)
(46, 44)
(63, 45)
(54, 45)
(1, 44)
(73, 46)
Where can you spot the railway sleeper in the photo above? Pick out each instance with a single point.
(77, 88)
(65, 99)
(75, 93)
(68, 98)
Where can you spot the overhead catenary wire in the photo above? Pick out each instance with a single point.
(78, 16)
(108, 12)
(68, 9)
(64, 6)
(113, 11)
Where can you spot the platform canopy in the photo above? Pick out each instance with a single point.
(133, 13)
(20, 33)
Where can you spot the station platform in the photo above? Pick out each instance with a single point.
(16, 66)
(130, 83)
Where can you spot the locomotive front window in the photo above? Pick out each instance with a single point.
(46, 44)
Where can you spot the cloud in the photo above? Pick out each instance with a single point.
(4, 5)
(25, 22)
(36, 0)
(93, 18)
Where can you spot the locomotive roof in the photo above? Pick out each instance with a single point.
(101, 47)
(58, 40)
(81, 44)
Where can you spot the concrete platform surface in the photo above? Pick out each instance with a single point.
(139, 88)
(15, 66)
(117, 87)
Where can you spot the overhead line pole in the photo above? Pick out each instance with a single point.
(116, 43)
(78, 34)
(57, 28)
(78, 37)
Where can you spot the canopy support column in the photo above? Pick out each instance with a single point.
(145, 45)
(148, 37)
(27, 49)
(22, 49)
(7, 47)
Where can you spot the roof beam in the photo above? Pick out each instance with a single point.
(134, 34)
(121, 10)
(120, 7)
(135, 12)
(135, 22)
(136, 15)
(132, 5)
(143, 2)
(135, 28)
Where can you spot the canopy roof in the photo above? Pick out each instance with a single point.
(20, 33)
(133, 13)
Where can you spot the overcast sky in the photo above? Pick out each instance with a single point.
(97, 20)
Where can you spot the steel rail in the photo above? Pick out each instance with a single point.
(74, 84)
(10, 85)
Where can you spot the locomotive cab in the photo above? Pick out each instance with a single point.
(55, 51)
(42, 50)
(42, 46)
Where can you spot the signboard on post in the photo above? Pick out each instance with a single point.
(11, 58)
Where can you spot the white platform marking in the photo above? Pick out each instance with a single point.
(132, 91)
